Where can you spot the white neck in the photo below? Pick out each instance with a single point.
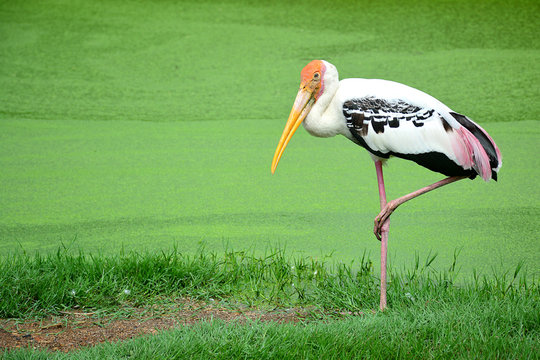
(323, 120)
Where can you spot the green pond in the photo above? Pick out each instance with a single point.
(147, 125)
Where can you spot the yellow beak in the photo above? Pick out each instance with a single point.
(302, 105)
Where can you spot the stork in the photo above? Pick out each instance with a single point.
(390, 119)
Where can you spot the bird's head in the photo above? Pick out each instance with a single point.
(311, 88)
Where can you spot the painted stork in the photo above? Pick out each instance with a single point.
(390, 119)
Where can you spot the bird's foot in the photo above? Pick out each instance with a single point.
(382, 221)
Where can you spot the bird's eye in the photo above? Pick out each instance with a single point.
(316, 76)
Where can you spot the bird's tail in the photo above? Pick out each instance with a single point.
(479, 151)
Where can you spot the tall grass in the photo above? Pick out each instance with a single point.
(431, 314)
(36, 285)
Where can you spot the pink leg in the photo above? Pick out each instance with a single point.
(389, 207)
(383, 234)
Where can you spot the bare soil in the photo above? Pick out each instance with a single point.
(74, 329)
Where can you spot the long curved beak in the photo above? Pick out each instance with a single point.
(302, 105)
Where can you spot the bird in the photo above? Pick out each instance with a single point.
(390, 119)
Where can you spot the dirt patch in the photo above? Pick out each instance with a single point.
(74, 329)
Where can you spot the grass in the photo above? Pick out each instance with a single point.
(420, 335)
(36, 285)
(430, 316)
(39, 285)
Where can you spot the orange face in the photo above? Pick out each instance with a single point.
(311, 76)
(311, 88)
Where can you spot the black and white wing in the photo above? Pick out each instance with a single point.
(391, 119)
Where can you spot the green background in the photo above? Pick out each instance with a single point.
(152, 124)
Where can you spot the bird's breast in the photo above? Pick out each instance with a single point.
(326, 118)
(323, 125)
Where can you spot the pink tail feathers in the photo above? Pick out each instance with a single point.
(471, 154)
(497, 151)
